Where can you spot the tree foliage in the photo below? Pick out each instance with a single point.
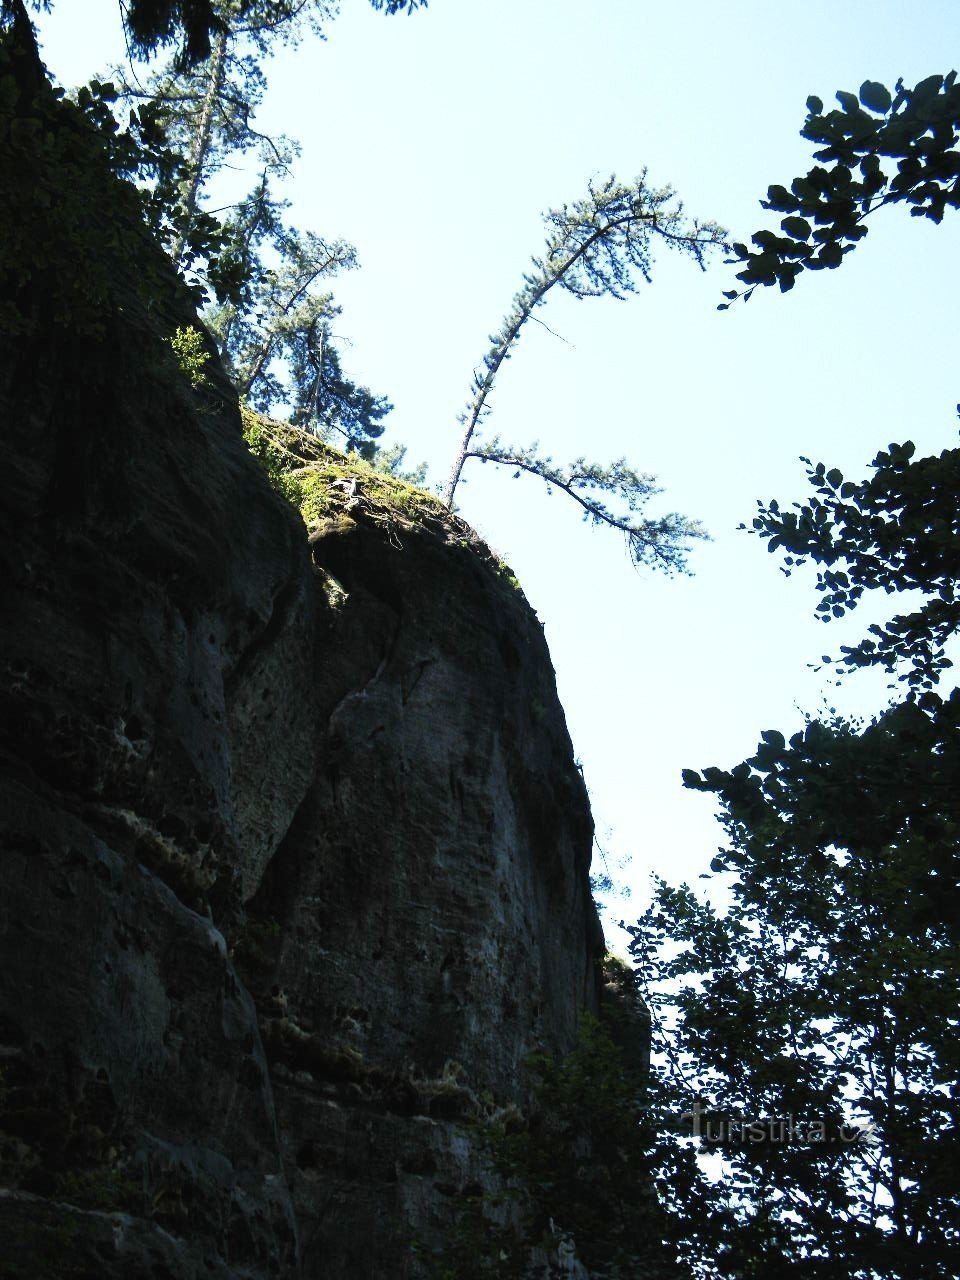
(206, 115)
(577, 1168)
(661, 542)
(898, 530)
(207, 109)
(275, 316)
(598, 246)
(584, 1160)
(827, 994)
(278, 339)
(828, 990)
(192, 25)
(879, 148)
(824, 997)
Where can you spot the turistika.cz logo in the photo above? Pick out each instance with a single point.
(717, 1129)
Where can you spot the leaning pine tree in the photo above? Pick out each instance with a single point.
(596, 247)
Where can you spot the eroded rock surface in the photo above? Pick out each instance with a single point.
(427, 922)
(293, 851)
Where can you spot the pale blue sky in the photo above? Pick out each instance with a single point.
(433, 142)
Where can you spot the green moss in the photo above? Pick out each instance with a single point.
(335, 491)
(315, 503)
(508, 575)
(324, 484)
(271, 455)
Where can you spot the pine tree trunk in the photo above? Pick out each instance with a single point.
(201, 140)
(530, 297)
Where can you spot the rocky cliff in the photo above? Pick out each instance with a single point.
(293, 851)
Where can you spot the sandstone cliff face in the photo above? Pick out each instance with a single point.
(429, 919)
(293, 851)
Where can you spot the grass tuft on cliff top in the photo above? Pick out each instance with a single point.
(331, 489)
(323, 483)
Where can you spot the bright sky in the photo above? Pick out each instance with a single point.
(433, 142)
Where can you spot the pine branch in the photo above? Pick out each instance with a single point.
(662, 543)
(339, 256)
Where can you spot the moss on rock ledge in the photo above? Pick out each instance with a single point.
(333, 490)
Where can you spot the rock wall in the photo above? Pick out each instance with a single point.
(293, 851)
(426, 923)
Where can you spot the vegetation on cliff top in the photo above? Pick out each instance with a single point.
(274, 318)
(332, 490)
(320, 480)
